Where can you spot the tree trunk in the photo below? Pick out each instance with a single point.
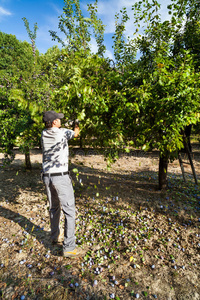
(186, 145)
(163, 164)
(81, 142)
(28, 160)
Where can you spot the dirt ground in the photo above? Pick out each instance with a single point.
(138, 242)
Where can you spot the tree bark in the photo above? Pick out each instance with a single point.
(28, 165)
(81, 142)
(185, 142)
(163, 164)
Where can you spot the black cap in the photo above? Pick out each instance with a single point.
(51, 115)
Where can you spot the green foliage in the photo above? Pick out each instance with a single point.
(21, 95)
(77, 28)
(168, 102)
(15, 56)
(89, 92)
(15, 64)
(32, 35)
(167, 79)
(11, 119)
(74, 26)
(98, 28)
(119, 39)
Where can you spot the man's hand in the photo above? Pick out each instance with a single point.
(75, 124)
(76, 130)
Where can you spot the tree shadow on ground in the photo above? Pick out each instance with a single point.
(129, 191)
(138, 190)
(30, 228)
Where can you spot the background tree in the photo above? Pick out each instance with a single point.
(24, 89)
(15, 56)
(16, 62)
(89, 93)
(168, 87)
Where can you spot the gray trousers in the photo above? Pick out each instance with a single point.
(60, 194)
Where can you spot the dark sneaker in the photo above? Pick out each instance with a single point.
(74, 253)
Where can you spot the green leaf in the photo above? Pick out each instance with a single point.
(68, 267)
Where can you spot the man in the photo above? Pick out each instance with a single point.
(57, 180)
